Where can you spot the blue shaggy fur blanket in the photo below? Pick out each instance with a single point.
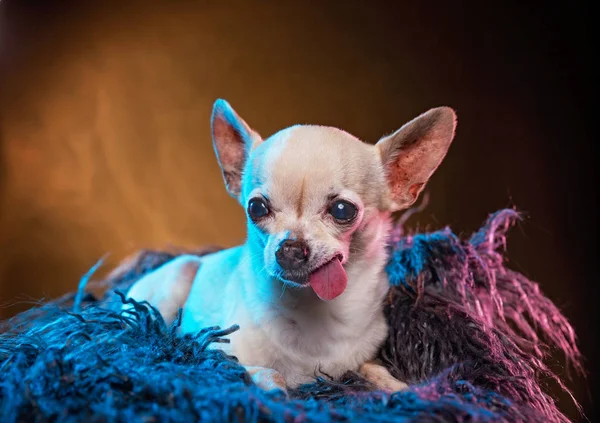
(468, 334)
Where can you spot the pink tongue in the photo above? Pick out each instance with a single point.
(329, 281)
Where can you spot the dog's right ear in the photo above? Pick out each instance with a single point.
(233, 140)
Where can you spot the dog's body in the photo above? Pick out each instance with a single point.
(288, 330)
(307, 288)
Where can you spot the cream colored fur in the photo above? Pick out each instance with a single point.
(286, 332)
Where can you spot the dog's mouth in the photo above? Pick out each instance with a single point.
(328, 280)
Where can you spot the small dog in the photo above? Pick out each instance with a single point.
(307, 288)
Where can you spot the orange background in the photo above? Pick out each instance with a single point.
(104, 123)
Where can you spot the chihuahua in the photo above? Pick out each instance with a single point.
(307, 288)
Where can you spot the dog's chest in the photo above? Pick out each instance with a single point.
(327, 339)
(298, 336)
(300, 350)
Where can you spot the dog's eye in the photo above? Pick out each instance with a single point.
(343, 211)
(257, 208)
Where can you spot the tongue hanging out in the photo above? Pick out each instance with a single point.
(329, 280)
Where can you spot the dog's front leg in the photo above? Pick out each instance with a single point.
(267, 379)
(381, 377)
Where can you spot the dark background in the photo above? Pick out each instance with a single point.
(105, 143)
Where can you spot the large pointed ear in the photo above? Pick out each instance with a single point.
(412, 153)
(233, 140)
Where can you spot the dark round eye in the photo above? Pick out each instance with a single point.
(257, 208)
(343, 211)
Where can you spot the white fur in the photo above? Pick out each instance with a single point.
(285, 326)
(326, 338)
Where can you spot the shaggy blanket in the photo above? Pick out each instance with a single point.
(468, 335)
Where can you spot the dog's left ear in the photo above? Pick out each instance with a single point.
(233, 140)
(412, 153)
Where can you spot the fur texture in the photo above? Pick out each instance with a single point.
(309, 279)
(468, 333)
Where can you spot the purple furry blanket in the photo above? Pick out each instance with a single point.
(467, 333)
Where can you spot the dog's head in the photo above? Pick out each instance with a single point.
(319, 199)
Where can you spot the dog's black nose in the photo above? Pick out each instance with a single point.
(292, 255)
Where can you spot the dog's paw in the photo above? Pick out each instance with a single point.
(267, 379)
(381, 377)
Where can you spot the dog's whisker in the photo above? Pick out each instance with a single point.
(283, 286)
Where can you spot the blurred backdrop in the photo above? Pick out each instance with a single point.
(105, 142)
